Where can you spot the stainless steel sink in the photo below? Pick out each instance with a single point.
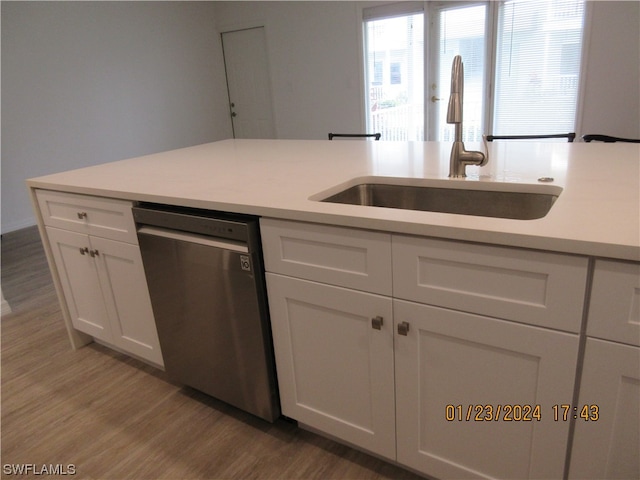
(520, 205)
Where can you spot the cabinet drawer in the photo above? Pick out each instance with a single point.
(345, 257)
(103, 217)
(536, 288)
(614, 309)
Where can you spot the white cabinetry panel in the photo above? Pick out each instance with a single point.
(339, 256)
(335, 371)
(526, 286)
(95, 249)
(80, 282)
(106, 291)
(469, 362)
(608, 446)
(127, 298)
(614, 310)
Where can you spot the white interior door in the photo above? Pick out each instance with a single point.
(247, 69)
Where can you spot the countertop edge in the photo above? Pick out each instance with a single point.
(558, 245)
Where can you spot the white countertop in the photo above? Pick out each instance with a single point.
(597, 213)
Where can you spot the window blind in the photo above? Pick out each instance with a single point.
(392, 10)
(537, 66)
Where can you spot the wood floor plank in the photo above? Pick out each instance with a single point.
(114, 417)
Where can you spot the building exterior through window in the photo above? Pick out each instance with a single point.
(521, 59)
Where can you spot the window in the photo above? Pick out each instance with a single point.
(458, 29)
(537, 66)
(394, 39)
(527, 83)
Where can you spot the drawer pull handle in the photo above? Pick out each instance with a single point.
(82, 215)
(403, 328)
(84, 250)
(377, 322)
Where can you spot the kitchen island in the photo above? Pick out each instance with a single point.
(475, 346)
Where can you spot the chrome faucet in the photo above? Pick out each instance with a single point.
(460, 157)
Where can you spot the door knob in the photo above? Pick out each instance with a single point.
(403, 328)
(435, 99)
(234, 114)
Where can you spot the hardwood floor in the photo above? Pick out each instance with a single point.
(113, 417)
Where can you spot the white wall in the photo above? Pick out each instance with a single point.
(314, 59)
(612, 84)
(91, 82)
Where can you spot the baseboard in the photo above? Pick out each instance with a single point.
(13, 226)
(6, 308)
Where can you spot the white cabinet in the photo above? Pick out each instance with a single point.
(476, 376)
(607, 434)
(335, 369)
(614, 309)
(333, 345)
(607, 439)
(102, 277)
(439, 350)
(474, 394)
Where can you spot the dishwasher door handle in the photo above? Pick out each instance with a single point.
(195, 238)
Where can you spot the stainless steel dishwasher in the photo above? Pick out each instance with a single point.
(206, 282)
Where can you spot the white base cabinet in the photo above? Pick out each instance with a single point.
(335, 369)
(474, 394)
(389, 373)
(100, 271)
(607, 435)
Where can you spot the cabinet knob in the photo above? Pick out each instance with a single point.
(82, 215)
(84, 250)
(377, 322)
(94, 253)
(403, 328)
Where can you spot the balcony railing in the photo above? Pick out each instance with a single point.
(404, 122)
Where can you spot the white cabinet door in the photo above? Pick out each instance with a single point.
(465, 385)
(127, 298)
(607, 445)
(80, 282)
(106, 291)
(335, 370)
(614, 308)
